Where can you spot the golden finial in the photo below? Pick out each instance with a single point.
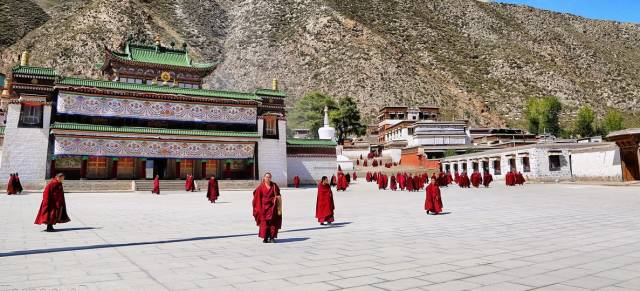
(274, 84)
(24, 58)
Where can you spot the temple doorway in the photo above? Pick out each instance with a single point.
(160, 168)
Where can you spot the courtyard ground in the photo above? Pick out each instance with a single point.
(548, 237)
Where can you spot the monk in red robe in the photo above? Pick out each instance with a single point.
(156, 185)
(355, 176)
(53, 208)
(213, 191)
(10, 185)
(417, 183)
(519, 178)
(324, 202)
(296, 182)
(342, 182)
(375, 163)
(510, 179)
(394, 185)
(465, 182)
(16, 183)
(487, 179)
(365, 163)
(476, 179)
(457, 178)
(368, 177)
(334, 181)
(189, 185)
(433, 201)
(449, 178)
(357, 162)
(409, 183)
(267, 209)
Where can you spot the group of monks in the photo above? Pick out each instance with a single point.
(14, 186)
(464, 181)
(213, 191)
(514, 178)
(405, 181)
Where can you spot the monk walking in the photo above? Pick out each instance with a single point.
(476, 179)
(394, 185)
(53, 208)
(433, 201)
(324, 202)
(296, 182)
(342, 182)
(16, 183)
(487, 179)
(156, 185)
(11, 190)
(267, 209)
(213, 192)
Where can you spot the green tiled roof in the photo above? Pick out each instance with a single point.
(310, 142)
(270, 92)
(157, 89)
(28, 70)
(151, 130)
(160, 55)
(1, 129)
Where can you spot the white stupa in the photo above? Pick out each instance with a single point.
(327, 132)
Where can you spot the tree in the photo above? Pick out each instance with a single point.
(346, 119)
(584, 125)
(542, 115)
(309, 111)
(612, 121)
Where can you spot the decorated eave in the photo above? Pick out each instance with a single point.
(112, 88)
(79, 129)
(156, 61)
(34, 72)
(271, 93)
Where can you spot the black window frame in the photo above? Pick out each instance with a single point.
(22, 124)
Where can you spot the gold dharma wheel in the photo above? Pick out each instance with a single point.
(165, 76)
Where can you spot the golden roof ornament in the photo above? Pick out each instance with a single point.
(24, 58)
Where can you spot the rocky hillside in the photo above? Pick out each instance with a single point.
(475, 59)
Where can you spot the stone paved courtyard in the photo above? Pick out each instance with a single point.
(551, 237)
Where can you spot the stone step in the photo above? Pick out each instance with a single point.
(178, 185)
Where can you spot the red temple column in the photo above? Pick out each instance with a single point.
(52, 168)
(204, 169)
(83, 168)
(114, 168)
(143, 169)
(177, 169)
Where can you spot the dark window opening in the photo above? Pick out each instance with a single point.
(526, 167)
(554, 163)
(496, 168)
(30, 116)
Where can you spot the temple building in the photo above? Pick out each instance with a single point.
(148, 116)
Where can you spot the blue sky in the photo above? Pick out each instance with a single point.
(619, 10)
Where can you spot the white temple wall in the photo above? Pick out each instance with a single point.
(25, 150)
(310, 169)
(599, 164)
(272, 154)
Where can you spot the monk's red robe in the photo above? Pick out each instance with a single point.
(189, 184)
(53, 208)
(487, 179)
(16, 184)
(519, 178)
(449, 178)
(442, 180)
(365, 163)
(213, 191)
(368, 177)
(457, 178)
(156, 186)
(433, 201)
(476, 179)
(296, 182)
(509, 179)
(375, 163)
(409, 183)
(324, 204)
(265, 210)
(334, 181)
(10, 189)
(465, 180)
(394, 185)
(355, 176)
(342, 183)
